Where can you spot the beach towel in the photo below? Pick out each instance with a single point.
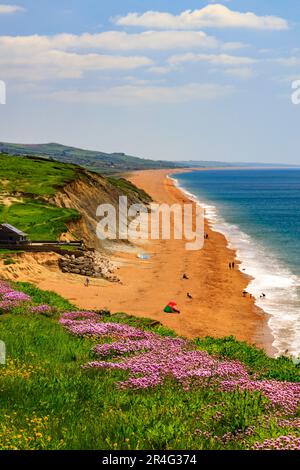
(168, 309)
(171, 308)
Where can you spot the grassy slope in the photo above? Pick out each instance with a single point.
(41, 221)
(126, 187)
(49, 402)
(32, 181)
(27, 175)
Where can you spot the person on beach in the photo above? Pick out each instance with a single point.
(230, 265)
(184, 276)
(87, 282)
(189, 296)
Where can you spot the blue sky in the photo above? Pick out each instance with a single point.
(167, 79)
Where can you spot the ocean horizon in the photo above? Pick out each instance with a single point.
(258, 211)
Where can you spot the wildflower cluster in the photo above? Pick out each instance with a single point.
(283, 394)
(33, 434)
(41, 309)
(10, 298)
(157, 358)
(288, 423)
(279, 443)
(16, 368)
(238, 435)
(87, 324)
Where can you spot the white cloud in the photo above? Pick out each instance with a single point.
(155, 40)
(136, 95)
(233, 46)
(9, 9)
(113, 41)
(289, 61)
(39, 57)
(161, 69)
(213, 59)
(215, 16)
(240, 72)
(55, 64)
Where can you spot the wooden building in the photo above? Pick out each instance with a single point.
(11, 235)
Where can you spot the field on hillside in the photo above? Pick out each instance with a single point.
(27, 183)
(33, 176)
(41, 221)
(141, 387)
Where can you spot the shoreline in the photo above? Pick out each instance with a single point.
(217, 308)
(267, 272)
(262, 336)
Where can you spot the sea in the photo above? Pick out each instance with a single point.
(258, 211)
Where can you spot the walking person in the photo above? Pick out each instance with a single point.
(87, 282)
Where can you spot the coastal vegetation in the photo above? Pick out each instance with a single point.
(92, 380)
(29, 187)
(39, 220)
(26, 184)
(127, 188)
(27, 175)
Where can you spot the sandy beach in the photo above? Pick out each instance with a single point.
(217, 307)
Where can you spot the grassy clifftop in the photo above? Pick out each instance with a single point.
(33, 176)
(29, 186)
(25, 187)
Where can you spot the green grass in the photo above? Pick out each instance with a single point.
(127, 188)
(40, 220)
(27, 175)
(49, 402)
(45, 297)
(4, 253)
(30, 182)
(266, 367)
(8, 261)
(84, 409)
(33, 181)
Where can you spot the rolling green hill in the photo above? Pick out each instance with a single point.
(100, 162)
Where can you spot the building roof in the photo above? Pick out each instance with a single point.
(14, 229)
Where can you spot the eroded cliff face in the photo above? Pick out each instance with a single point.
(85, 195)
